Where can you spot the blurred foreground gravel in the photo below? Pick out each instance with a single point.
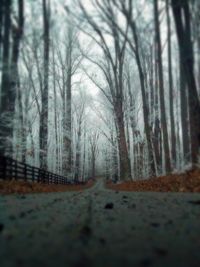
(99, 227)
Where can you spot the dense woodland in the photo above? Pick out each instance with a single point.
(107, 87)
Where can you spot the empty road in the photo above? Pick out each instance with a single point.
(100, 227)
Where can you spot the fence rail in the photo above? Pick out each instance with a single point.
(13, 169)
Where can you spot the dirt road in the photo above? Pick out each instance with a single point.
(99, 227)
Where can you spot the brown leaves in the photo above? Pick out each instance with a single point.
(22, 187)
(186, 182)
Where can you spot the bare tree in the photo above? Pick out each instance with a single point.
(79, 110)
(182, 18)
(93, 140)
(1, 25)
(127, 10)
(43, 135)
(161, 90)
(67, 126)
(112, 69)
(171, 87)
(5, 127)
(10, 77)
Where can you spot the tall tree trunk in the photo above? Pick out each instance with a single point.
(1, 25)
(198, 75)
(125, 168)
(67, 148)
(132, 113)
(43, 135)
(147, 128)
(78, 154)
(6, 123)
(94, 151)
(157, 139)
(115, 165)
(178, 123)
(107, 171)
(32, 154)
(161, 91)
(55, 111)
(127, 137)
(182, 19)
(84, 154)
(93, 161)
(68, 119)
(21, 131)
(171, 89)
(17, 32)
(10, 77)
(184, 116)
(152, 90)
(135, 153)
(141, 159)
(114, 173)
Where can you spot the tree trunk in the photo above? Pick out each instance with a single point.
(127, 137)
(55, 111)
(93, 167)
(125, 168)
(161, 91)
(6, 123)
(135, 153)
(68, 123)
(198, 75)
(171, 89)
(84, 154)
(115, 165)
(182, 19)
(1, 25)
(17, 32)
(141, 159)
(144, 102)
(67, 148)
(78, 154)
(184, 116)
(43, 135)
(21, 129)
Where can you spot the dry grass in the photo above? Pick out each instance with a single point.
(22, 187)
(186, 182)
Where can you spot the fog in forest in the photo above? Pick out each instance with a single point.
(99, 87)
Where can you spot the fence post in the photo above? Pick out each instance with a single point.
(48, 177)
(33, 174)
(16, 170)
(38, 175)
(45, 177)
(4, 167)
(10, 163)
(41, 175)
(10, 168)
(25, 172)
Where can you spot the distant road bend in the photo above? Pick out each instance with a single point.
(101, 228)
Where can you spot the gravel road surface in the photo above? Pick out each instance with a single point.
(100, 228)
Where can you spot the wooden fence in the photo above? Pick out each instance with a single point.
(13, 169)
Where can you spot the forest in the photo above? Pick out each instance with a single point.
(99, 133)
(101, 87)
